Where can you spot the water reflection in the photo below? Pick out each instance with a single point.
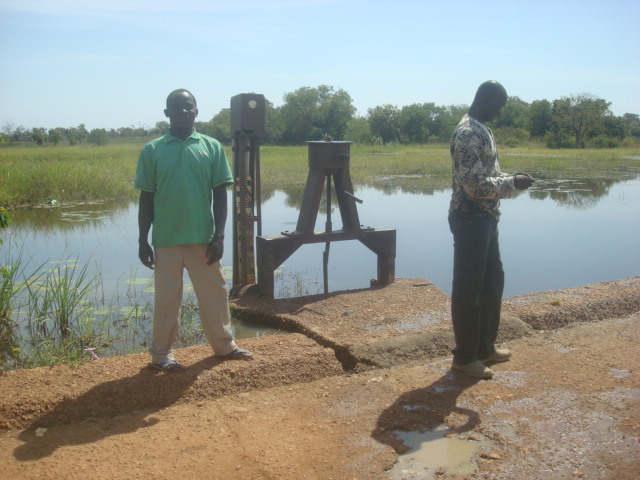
(561, 233)
(575, 193)
(59, 218)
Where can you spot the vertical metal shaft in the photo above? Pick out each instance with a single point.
(328, 228)
(256, 187)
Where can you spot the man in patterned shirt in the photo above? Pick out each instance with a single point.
(478, 277)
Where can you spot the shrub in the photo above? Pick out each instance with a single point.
(98, 136)
(557, 140)
(602, 141)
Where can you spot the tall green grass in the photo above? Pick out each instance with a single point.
(55, 313)
(35, 175)
(32, 176)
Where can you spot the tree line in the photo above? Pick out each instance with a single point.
(575, 121)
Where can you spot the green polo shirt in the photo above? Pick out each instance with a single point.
(182, 174)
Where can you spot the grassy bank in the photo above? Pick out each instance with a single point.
(31, 175)
(35, 175)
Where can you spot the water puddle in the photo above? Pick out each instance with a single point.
(562, 349)
(432, 453)
(617, 373)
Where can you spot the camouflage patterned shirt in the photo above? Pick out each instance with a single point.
(478, 185)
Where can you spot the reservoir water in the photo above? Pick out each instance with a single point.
(561, 233)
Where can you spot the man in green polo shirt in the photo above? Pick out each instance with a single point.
(181, 175)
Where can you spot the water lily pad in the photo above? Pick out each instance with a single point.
(102, 310)
(129, 310)
(137, 281)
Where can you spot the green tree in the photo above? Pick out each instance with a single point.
(126, 131)
(579, 117)
(614, 127)
(447, 120)
(274, 124)
(55, 135)
(539, 118)
(162, 127)
(98, 136)
(38, 135)
(358, 130)
(18, 134)
(81, 133)
(384, 123)
(219, 127)
(311, 113)
(514, 114)
(632, 124)
(414, 123)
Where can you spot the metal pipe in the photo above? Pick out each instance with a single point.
(328, 228)
(349, 194)
(258, 189)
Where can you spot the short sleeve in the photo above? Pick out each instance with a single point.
(145, 178)
(221, 172)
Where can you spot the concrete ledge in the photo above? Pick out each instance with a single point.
(409, 320)
(374, 327)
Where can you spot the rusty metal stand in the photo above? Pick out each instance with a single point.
(327, 160)
(247, 125)
(246, 161)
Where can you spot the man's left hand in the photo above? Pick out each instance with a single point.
(215, 249)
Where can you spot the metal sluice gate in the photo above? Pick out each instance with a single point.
(328, 167)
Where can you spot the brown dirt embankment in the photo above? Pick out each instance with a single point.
(343, 332)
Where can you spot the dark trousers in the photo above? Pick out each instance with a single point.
(478, 282)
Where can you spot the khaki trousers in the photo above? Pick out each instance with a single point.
(211, 292)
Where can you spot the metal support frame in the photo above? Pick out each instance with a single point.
(327, 161)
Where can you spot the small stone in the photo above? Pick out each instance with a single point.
(40, 432)
(490, 456)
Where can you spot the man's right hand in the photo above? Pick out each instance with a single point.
(145, 254)
(522, 181)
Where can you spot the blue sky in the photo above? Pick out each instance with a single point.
(111, 63)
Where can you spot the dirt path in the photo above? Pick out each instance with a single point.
(566, 406)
